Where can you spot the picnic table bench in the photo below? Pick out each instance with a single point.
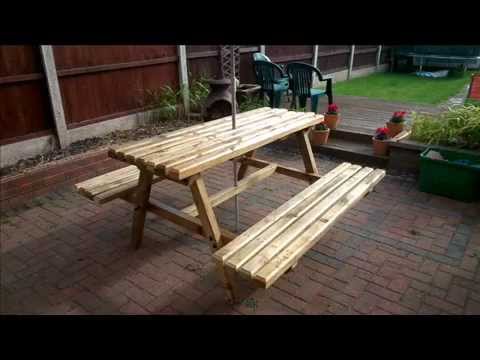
(272, 246)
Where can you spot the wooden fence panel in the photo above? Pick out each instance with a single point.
(103, 82)
(24, 106)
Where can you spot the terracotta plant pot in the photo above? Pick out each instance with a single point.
(394, 128)
(331, 120)
(319, 137)
(380, 147)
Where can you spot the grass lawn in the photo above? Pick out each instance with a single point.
(403, 87)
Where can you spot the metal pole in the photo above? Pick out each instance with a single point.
(234, 126)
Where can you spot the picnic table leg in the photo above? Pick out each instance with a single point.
(210, 227)
(140, 212)
(307, 153)
(243, 168)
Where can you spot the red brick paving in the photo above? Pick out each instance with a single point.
(398, 251)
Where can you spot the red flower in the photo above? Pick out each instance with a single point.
(381, 131)
(332, 109)
(399, 114)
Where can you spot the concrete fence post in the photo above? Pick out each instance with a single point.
(350, 65)
(315, 55)
(183, 76)
(55, 95)
(379, 55)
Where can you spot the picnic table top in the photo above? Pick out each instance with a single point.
(188, 151)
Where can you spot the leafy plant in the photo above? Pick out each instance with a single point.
(250, 103)
(398, 117)
(198, 93)
(321, 127)
(459, 126)
(381, 134)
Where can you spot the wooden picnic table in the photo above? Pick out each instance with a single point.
(272, 246)
(184, 155)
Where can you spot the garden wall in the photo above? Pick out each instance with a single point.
(101, 88)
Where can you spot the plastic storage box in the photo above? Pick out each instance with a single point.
(456, 177)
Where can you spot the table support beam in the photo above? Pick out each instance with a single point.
(284, 170)
(307, 153)
(142, 195)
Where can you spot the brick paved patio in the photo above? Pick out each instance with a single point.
(398, 252)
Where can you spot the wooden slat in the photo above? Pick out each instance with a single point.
(87, 184)
(216, 142)
(163, 164)
(204, 162)
(262, 257)
(242, 185)
(194, 137)
(117, 152)
(284, 170)
(268, 274)
(228, 250)
(254, 250)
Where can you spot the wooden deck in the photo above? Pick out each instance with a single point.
(364, 115)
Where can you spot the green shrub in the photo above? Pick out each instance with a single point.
(459, 126)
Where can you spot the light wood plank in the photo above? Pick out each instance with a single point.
(288, 171)
(228, 250)
(290, 220)
(181, 219)
(142, 196)
(262, 257)
(244, 166)
(204, 162)
(205, 210)
(290, 255)
(242, 185)
(196, 137)
(306, 151)
(161, 162)
(116, 152)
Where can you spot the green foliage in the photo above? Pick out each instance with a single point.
(459, 126)
(167, 104)
(199, 90)
(321, 127)
(250, 103)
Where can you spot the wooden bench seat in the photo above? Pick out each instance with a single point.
(112, 185)
(273, 245)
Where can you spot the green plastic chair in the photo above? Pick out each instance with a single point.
(272, 79)
(261, 56)
(301, 78)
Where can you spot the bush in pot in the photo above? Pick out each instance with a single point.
(319, 134)
(380, 144)
(396, 123)
(332, 116)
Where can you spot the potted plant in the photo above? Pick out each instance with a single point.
(395, 125)
(380, 144)
(319, 134)
(332, 117)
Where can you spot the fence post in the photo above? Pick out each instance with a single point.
(262, 49)
(183, 77)
(379, 54)
(50, 69)
(315, 55)
(350, 65)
